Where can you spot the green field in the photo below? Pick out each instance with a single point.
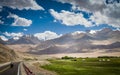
(85, 66)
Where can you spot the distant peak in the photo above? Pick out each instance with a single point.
(106, 29)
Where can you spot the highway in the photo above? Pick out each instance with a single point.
(7, 70)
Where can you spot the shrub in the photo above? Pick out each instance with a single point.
(66, 57)
(108, 57)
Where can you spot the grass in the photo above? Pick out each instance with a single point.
(86, 66)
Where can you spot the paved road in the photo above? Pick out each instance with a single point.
(7, 70)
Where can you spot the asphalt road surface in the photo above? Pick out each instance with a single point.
(8, 70)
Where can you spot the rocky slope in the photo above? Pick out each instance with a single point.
(6, 54)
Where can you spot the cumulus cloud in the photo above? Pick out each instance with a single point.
(80, 32)
(54, 20)
(1, 22)
(70, 18)
(0, 8)
(99, 18)
(19, 21)
(118, 29)
(92, 31)
(77, 32)
(86, 5)
(15, 36)
(102, 13)
(25, 29)
(21, 4)
(3, 38)
(47, 35)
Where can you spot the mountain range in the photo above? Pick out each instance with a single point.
(106, 39)
(81, 42)
(26, 39)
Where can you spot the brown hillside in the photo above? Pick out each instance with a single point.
(6, 54)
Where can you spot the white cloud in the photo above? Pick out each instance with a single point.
(21, 4)
(54, 20)
(16, 38)
(47, 35)
(70, 18)
(80, 32)
(77, 32)
(3, 38)
(40, 17)
(14, 35)
(100, 18)
(1, 22)
(118, 29)
(25, 29)
(0, 8)
(92, 31)
(19, 21)
(102, 13)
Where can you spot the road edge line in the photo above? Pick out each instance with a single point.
(18, 73)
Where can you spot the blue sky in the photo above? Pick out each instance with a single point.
(58, 16)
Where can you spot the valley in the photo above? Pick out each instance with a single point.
(59, 37)
(42, 56)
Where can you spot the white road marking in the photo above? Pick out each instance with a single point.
(18, 73)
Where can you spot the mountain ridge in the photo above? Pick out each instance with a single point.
(26, 39)
(79, 42)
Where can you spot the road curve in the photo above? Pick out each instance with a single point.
(7, 70)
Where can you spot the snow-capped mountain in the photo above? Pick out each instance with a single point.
(26, 39)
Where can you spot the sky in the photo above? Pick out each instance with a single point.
(52, 18)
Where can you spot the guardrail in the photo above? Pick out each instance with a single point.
(5, 64)
(27, 70)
